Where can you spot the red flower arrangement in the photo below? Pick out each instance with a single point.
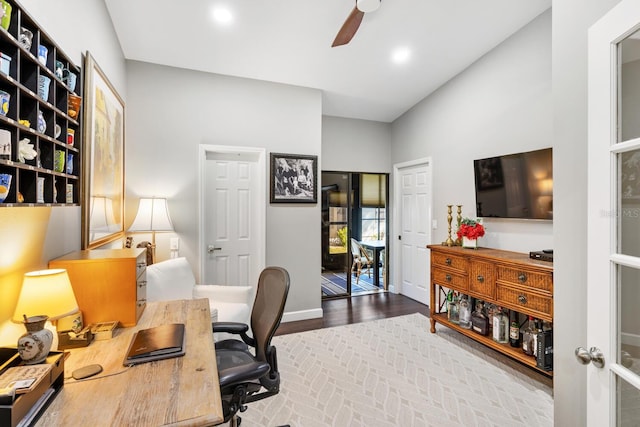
(471, 229)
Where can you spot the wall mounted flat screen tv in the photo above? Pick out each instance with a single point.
(516, 185)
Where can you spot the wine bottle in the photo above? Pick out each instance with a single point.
(529, 338)
(464, 312)
(514, 329)
(454, 312)
(500, 327)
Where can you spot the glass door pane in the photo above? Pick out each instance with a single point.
(335, 234)
(625, 325)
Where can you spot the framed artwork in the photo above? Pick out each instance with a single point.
(294, 178)
(103, 171)
(489, 173)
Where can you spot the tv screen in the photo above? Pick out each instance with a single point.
(515, 185)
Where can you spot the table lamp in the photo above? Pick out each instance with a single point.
(153, 215)
(46, 295)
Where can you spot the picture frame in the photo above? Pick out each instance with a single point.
(103, 160)
(293, 178)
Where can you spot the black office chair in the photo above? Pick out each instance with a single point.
(248, 369)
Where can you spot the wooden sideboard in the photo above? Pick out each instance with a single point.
(507, 279)
(109, 284)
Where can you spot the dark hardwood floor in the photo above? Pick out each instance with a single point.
(343, 311)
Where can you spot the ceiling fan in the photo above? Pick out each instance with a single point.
(353, 21)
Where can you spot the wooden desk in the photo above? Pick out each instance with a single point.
(181, 391)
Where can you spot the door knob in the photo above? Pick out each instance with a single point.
(593, 355)
(211, 249)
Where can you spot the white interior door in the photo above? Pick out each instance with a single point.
(413, 226)
(232, 220)
(613, 324)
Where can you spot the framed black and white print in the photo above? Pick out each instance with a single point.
(294, 178)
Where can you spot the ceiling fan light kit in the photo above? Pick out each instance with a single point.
(367, 6)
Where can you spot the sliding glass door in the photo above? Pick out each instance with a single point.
(354, 233)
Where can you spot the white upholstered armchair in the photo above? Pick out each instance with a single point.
(173, 279)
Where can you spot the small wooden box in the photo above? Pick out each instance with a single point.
(66, 341)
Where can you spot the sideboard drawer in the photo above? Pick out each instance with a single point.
(527, 301)
(449, 261)
(482, 279)
(523, 277)
(448, 279)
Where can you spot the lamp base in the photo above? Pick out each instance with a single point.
(34, 346)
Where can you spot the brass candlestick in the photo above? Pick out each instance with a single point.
(458, 241)
(449, 241)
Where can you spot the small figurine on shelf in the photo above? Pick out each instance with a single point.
(25, 150)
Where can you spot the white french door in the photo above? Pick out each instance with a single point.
(414, 195)
(233, 203)
(612, 351)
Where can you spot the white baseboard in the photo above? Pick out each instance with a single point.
(630, 339)
(293, 316)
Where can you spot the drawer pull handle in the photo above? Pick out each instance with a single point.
(447, 261)
(142, 283)
(522, 277)
(480, 278)
(142, 264)
(522, 299)
(448, 277)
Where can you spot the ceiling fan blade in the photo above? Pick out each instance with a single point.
(349, 28)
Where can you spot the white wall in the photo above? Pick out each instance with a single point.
(501, 104)
(170, 111)
(78, 26)
(354, 145)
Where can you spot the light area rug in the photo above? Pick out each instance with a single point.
(394, 372)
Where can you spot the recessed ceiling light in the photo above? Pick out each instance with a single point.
(222, 15)
(401, 55)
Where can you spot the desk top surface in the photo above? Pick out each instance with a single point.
(374, 244)
(180, 391)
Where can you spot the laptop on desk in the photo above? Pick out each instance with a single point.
(157, 343)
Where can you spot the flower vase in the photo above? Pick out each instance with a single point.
(34, 346)
(469, 243)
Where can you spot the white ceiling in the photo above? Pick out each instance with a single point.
(289, 41)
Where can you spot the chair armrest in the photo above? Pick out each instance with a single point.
(237, 294)
(236, 328)
(243, 373)
(230, 327)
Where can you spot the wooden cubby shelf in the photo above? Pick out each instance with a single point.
(36, 182)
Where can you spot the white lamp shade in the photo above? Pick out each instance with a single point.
(153, 215)
(367, 6)
(46, 292)
(101, 217)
